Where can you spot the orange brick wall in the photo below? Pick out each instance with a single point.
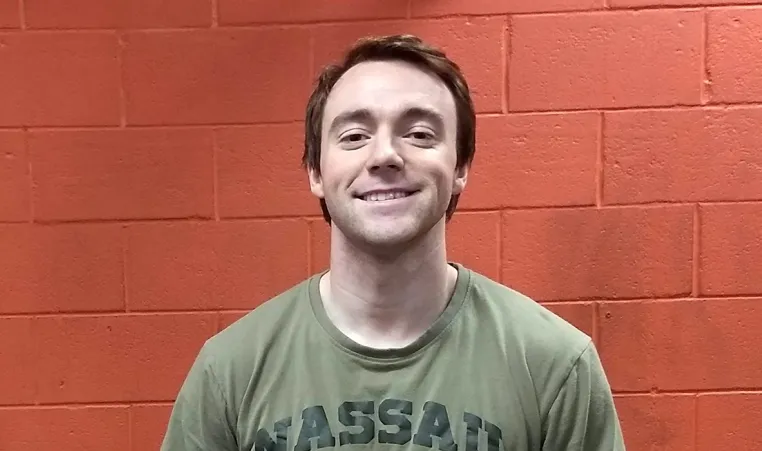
(150, 192)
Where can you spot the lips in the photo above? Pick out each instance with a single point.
(385, 195)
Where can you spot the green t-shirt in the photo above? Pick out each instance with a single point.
(495, 372)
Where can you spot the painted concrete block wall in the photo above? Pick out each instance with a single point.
(150, 193)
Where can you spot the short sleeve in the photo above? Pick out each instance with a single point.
(198, 421)
(583, 416)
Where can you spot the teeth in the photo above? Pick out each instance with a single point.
(374, 197)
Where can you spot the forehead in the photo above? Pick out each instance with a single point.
(388, 88)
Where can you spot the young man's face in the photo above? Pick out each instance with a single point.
(388, 153)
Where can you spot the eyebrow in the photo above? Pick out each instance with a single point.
(365, 115)
(430, 114)
(358, 115)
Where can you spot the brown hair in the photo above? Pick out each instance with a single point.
(406, 48)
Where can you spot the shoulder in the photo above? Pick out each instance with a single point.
(524, 318)
(225, 369)
(244, 342)
(544, 345)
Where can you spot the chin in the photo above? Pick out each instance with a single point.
(386, 239)
(386, 233)
(394, 235)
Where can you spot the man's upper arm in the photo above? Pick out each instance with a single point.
(198, 421)
(583, 416)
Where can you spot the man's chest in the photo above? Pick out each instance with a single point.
(441, 409)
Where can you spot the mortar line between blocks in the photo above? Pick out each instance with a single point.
(695, 420)
(28, 154)
(599, 161)
(696, 250)
(218, 321)
(122, 94)
(215, 177)
(215, 13)
(125, 243)
(22, 14)
(704, 79)
(130, 420)
(506, 61)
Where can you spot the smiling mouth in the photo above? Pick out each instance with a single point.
(385, 196)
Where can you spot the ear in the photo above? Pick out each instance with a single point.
(459, 182)
(316, 183)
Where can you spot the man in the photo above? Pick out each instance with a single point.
(394, 347)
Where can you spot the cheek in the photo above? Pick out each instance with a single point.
(328, 167)
(329, 181)
(341, 169)
(444, 174)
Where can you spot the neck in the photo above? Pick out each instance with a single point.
(387, 301)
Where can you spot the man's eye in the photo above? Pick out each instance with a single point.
(354, 137)
(353, 141)
(421, 137)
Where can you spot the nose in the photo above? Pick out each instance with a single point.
(384, 155)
